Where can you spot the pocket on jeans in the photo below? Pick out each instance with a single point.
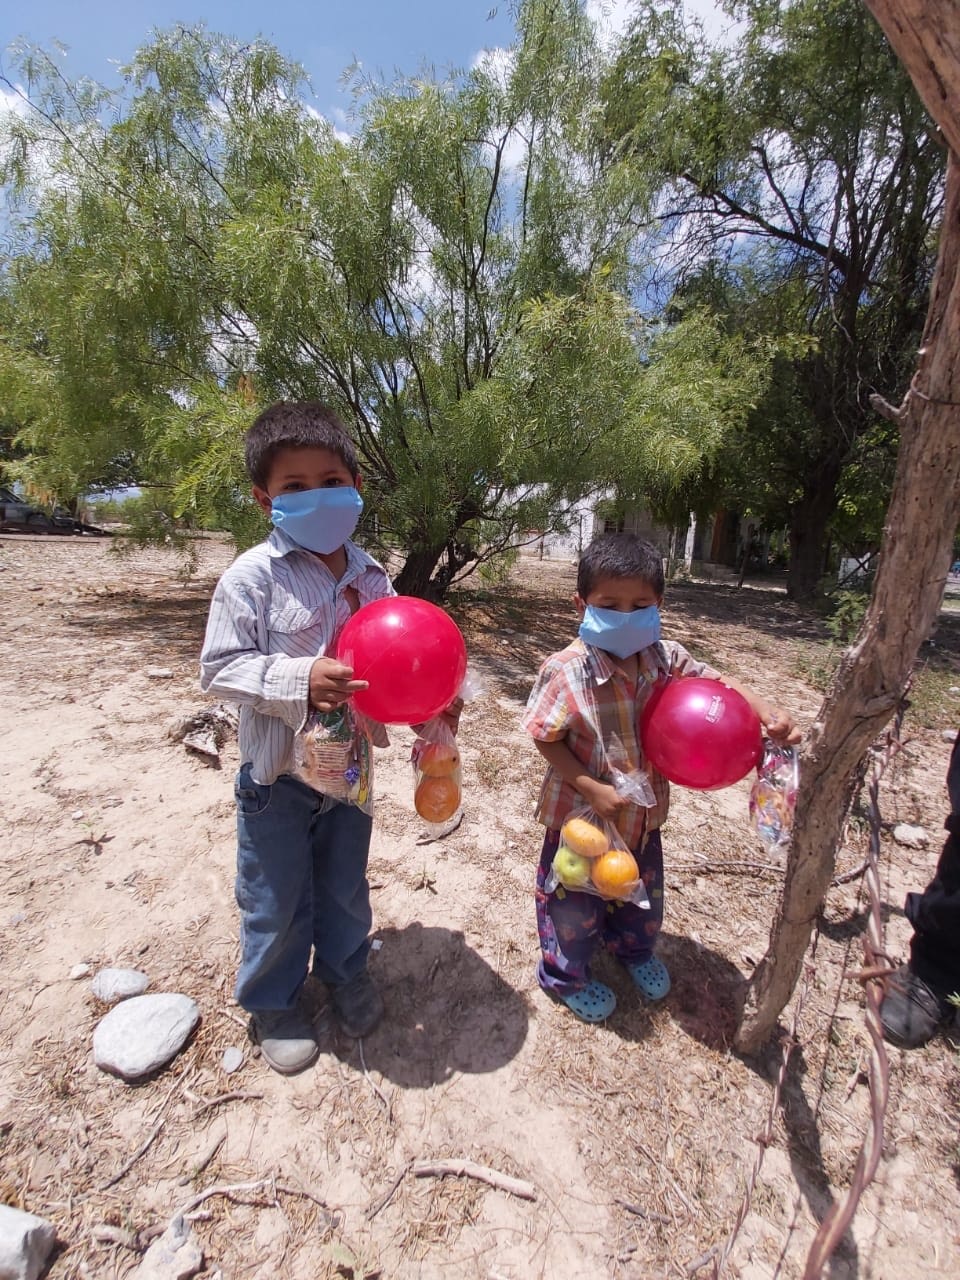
(252, 797)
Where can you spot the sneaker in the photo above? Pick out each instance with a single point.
(358, 1005)
(285, 1038)
(911, 1012)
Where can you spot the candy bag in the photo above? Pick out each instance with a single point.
(332, 754)
(773, 795)
(593, 858)
(437, 778)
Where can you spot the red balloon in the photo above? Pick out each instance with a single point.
(412, 653)
(700, 733)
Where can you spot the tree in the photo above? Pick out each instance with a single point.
(453, 277)
(922, 518)
(829, 196)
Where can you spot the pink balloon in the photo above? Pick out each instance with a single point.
(412, 653)
(700, 733)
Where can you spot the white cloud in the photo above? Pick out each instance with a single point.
(13, 101)
(718, 27)
(340, 134)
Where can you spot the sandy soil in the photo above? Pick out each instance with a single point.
(639, 1136)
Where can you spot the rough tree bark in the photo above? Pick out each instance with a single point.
(918, 537)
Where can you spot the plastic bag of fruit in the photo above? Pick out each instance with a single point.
(592, 858)
(437, 778)
(773, 796)
(332, 754)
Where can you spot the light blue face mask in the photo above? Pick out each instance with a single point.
(620, 633)
(319, 519)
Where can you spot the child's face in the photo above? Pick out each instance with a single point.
(309, 467)
(622, 594)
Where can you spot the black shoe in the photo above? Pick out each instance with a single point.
(358, 1005)
(911, 1012)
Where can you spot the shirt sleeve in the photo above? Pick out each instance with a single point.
(547, 716)
(233, 666)
(682, 663)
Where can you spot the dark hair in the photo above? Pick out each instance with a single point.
(296, 424)
(619, 555)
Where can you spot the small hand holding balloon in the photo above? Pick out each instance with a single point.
(331, 684)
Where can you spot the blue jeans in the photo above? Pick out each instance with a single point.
(301, 883)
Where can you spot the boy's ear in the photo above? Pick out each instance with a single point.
(580, 604)
(358, 482)
(264, 501)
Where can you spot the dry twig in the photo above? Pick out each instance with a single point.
(469, 1169)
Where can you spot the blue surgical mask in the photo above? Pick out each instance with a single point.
(318, 519)
(620, 633)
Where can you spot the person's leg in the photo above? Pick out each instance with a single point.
(342, 915)
(274, 896)
(569, 927)
(631, 931)
(915, 1002)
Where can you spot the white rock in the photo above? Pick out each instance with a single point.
(910, 837)
(158, 673)
(80, 971)
(232, 1059)
(77, 815)
(111, 985)
(140, 1035)
(948, 735)
(25, 1243)
(175, 1255)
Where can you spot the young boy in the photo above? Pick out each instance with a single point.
(583, 714)
(302, 856)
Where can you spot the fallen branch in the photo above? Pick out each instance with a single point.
(383, 1200)
(141, 1150)
(186, 1178)
(231, 1191)
(373, 1084)
(237, 1096)
(469, 1169)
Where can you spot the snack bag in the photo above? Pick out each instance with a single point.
(773, 795)
(592, 858)
(332, 754)
(437, 778)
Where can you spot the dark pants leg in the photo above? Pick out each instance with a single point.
(573, 925)
(935, 913)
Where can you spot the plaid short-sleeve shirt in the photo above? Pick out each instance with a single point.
(582, 697)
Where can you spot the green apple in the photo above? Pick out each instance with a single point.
(573, 872)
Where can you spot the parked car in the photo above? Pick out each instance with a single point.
(18, 516)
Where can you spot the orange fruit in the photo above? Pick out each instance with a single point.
(615, 873)
(584, 838)
(438, 760)
(436, 799)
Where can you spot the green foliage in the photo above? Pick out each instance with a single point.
(849, 608)
(453, 278)
(803, 184)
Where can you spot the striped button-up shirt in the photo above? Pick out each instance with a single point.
(274, 612)
(582, 697)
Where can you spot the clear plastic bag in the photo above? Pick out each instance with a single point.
(332, 754)
(773, 796)
(437, 778)
(593, 858)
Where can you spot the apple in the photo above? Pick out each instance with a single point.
(573, 872)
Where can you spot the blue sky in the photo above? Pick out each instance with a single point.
(325, 37)
(384, 35)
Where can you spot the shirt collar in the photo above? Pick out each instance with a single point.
(280, 544)
(653, 662)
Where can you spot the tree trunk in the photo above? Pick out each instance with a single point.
(808, 539)
(414, 579)
(915, 554)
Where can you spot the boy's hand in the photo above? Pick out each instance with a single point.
(332, 683)
(450, 715)
(782, 728)
(604, 800)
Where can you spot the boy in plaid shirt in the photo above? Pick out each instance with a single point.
(584, 708)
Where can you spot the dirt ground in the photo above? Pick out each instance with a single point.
(639, 1136)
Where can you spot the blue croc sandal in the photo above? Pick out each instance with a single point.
(650, 978)
(593, 1003)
